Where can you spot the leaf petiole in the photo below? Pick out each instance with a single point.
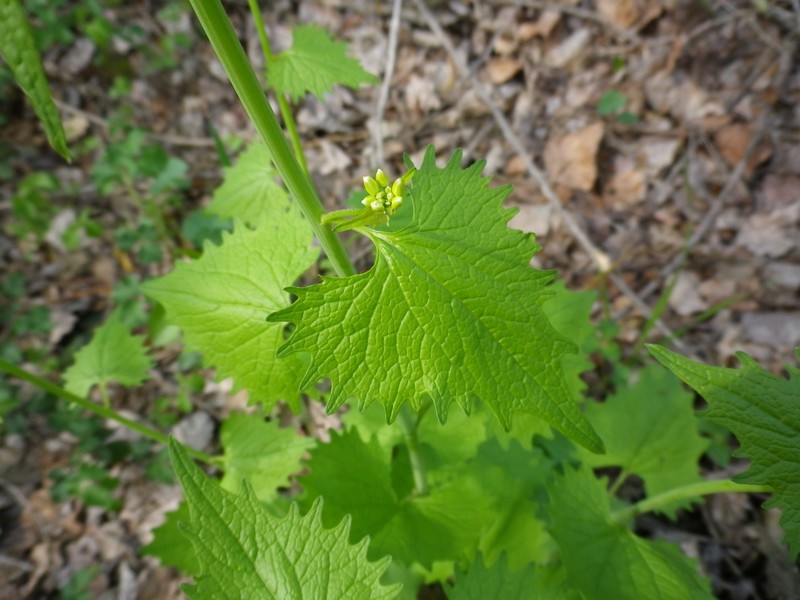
(103, 411)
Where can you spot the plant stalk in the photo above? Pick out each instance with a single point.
(703, 488)
(218, 28)
(103, 411)
(286, 112)
(410, 425)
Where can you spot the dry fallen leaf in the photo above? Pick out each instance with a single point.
(622, 13)
(571, 160)
(773, 329)
(767, 234)
(732, 142)
(685, 299)
(542, 27)
(626, 188)
(568, 50)
(502, 69)
(657, 153)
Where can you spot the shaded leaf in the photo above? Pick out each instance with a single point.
(763, 412)
(604, 559)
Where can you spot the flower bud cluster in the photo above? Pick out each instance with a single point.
(383, 198)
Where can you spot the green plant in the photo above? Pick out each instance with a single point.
(507, 497)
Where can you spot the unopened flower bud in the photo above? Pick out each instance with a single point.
(381, 178)
(398, 187)
(371, 186)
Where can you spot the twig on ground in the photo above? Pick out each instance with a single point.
(14, 563)
(383, 97)
(167, 138)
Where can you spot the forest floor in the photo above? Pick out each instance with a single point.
(661, 138)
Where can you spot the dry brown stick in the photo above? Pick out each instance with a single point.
(600, 258)
(167, 138)
(383, 97)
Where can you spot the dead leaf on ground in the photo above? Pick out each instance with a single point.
(732, 142)
(502, 69)
(685, 299)
(571, 160)
(684, 100)
(767, 234)
(779, 191)
(773, 329)
(622, 13)
(657, 153)
(567, 51)
(626, 188)
(543, 26)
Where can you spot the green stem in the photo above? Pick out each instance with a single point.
(103, 411)
(410, 425)
(703, 488)
(623, 475)
(104, 394)
(286, 112)
(223, 39)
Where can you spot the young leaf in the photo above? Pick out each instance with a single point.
(245, 552)
(481, 582)
(451, 310)
(650, 430)
(221, 300)
(261, 452)
(248, 190)
(763, 412)
(604, 559)
(314, 63)
(19, 50)
(113, 354)
(355, 479)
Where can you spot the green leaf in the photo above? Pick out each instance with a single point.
(497, 581)
(261, 452)
(314, 63)
(355, 478)
(113, 354)
(249, 190)
(604, 559)
(245, 552)
(171, 177)
(569, 313)
(514, 478)
(19, 50)
(611, 103)
(763, 412)
(221, 301)
(451, 310)
(481, 582)
(170, 542)
(650, 430)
